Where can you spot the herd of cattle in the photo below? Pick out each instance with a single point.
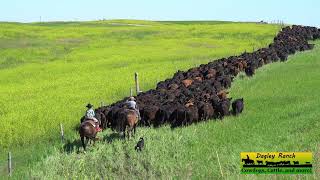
(200, 93)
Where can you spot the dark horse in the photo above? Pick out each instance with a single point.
(128, 121)
(88, 131)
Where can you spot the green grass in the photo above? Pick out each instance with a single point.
(281, 114)
(49, 71)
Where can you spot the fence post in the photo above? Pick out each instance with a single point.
(9, 164)
(219, 164)
(101, 104)
(62, 133)
(131, 93)
(136, 78)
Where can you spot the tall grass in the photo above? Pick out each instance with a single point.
(281, 114)
(49, 71)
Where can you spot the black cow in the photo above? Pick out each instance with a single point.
(223, 107)
(237, 106)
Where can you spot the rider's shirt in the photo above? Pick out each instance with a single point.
(132, 104)
(90, 113)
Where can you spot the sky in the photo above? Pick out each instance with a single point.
(304, 12)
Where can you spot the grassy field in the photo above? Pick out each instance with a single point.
(281, 114)
(49, 71)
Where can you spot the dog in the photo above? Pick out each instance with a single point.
(140, 144)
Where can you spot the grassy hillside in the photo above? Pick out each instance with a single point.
(281, 114)
(49, 71)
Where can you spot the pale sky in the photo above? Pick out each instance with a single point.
(305, 12)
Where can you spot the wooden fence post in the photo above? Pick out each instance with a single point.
(9, 164)
(219, 164)
(131, 93)
(136, 78)
(62, 133)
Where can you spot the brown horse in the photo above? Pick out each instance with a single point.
(88, 131)
(129, 120)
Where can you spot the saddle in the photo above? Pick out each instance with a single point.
(90, 121)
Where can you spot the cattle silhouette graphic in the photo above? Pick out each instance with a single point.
(260, 162)
(270, 163)
(284, 162)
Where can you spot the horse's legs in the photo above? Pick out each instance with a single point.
(124, 133)
(128, 133)
(129, 130)
(134, 129)
(87, 140)
(83, 143)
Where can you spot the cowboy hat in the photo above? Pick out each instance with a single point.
(89, 105)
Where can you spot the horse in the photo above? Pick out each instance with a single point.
(128, 121)
(88, 131)
(248, 161)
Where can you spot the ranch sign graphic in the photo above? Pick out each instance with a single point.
(276, 163)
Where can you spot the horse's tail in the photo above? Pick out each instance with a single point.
(131, 118)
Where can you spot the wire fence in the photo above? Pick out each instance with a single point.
(8, 163)
(275, 22)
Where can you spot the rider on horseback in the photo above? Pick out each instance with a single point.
(131, 103)
(91, 115)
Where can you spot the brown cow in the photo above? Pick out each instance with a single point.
(239, 65)
(206, 111)
(222, 94)
(210, 74)
(148, 114)
(187, 82)
(173, 87)
(198, 78)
